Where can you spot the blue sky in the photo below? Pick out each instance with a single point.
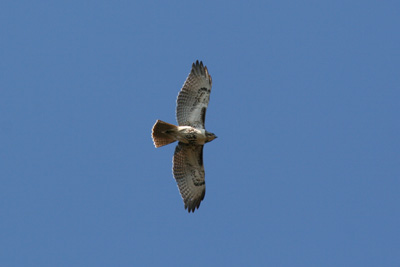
(305, 103)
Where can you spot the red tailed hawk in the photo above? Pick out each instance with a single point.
(191, 109)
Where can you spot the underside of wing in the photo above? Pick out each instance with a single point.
(188, 171)
(194, 96)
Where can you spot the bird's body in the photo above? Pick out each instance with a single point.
(191, 109)
(185, 134)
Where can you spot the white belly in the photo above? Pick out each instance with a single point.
(190, 135)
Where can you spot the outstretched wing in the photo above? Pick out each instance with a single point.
(194, 96)
(188, 171)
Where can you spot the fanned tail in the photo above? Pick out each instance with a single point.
(160, 133)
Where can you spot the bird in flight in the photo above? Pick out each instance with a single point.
(188, 168)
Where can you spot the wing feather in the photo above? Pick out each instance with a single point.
(188, 171)
(194, 96)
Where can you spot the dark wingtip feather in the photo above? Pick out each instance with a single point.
(191, 206)
(199, 69)
(196, 67)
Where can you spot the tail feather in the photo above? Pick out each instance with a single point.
(160, 135)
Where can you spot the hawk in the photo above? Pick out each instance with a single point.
(188, 168)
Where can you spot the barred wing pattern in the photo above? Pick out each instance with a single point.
(193, 98)
(188, 171)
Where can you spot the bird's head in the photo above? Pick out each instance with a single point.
(210, 137)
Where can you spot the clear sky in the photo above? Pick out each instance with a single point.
(305, 103)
